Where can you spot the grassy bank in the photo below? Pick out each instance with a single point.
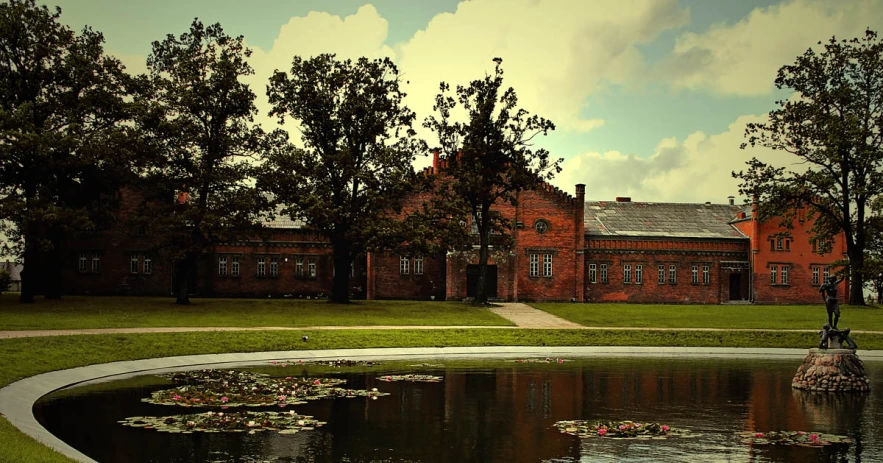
(75, 312)
(24, 357)
(785, 317)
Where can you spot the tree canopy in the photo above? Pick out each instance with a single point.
(197, 118)
(832, 126)
(62, 142)
(490, 157)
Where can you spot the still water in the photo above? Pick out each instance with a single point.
(500, 411)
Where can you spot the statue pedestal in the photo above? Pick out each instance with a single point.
(831, 370)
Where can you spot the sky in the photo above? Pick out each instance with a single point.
(650, 98)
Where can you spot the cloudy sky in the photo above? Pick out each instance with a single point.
(650, 97)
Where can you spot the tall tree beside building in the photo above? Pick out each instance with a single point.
(354, 168)
(197, 118)
(62, 144)
(490, 157)
(832, 126)
(873, 265)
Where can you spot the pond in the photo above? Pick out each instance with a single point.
(494, 411)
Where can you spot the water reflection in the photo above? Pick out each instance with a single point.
(505, 412)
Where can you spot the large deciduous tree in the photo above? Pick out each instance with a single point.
(62, 144)
(832, 126)
(354, 169)
(490, 156)
(197, 117)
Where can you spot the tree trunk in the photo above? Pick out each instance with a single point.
(340, 289)
(483, 254)
(53, 268)
(856, 278)
(29, 272)
(183, 269)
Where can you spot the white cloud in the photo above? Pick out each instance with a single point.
(695, 170)
(743, 58)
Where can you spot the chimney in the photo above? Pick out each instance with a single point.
(580, 192)
(740, 215)
(732, 200)
(623, 199)
(435, 161)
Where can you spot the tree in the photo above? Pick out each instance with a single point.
(833, 129)
(62, 142)
(354, 169)
(490, 158)
(197, 117)
(873, 264)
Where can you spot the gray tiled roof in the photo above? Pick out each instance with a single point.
(284, 221)
(676, 220)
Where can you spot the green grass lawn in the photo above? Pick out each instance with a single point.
(74, 312)
(783, 317)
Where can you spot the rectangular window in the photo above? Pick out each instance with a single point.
(774, 270)
(96, 263)
(779, 244)
(826, 274)
(404, 265)
(672, 274)
(274, 266)
(593, 273)
(134, 263)
(694, 274)
(299, 266)
(815, 276)
(639, 273)
(81, 263)
(148, 265)
(234, 266)
(222, 265)
(627, 273)
(547, 265)
(311, 267)
(534, 265)
(603, 273)
(784, 275)
(706, 275)
(418, 265)
(661, 279)
(262, 266)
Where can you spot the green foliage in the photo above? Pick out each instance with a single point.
(196, 117)
(833, 129)
(63, 146)
(490, 158)
(355, 165)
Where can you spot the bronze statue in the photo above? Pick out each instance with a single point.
(829, 295)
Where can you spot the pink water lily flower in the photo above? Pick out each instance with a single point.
(224, 399)
(602, 431)
(813, 437)
(665, 428)
(282, 398)
(758, 434)
(317, 382)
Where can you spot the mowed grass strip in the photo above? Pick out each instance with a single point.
(24, 357)
(81, 312)
(779, 317)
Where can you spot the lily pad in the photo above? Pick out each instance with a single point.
(245, 421)
(329, 363)
(799, 438)
(413, 378)
(620, 429)
(545, 360)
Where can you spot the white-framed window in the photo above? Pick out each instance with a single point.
(262, 266)
(774, 270)
(661, 277)
(299, 266)
(627, 273)
(222, 265)
(784, 274)
(134, 263)
(694, 274)
(534, 265)
(815, 276)
(639, 273)
(706, 275)
(826, 274)
(81, 263)
(672, 274)
(311, 267)
(547, 265)
(147, 265)
(234, 266)
(593, 273)
(418, 265)
(404, 265)
(274, 266)
(603, 273)
(96, 263)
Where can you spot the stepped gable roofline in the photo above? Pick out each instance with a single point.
(626, 218)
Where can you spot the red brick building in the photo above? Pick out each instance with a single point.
(564, 249)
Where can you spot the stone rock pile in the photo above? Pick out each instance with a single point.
(831, 370)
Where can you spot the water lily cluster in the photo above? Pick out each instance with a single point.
(545, 360)
(620, 429)
(212, 388)
(411, 378)
(800, 438)
(239, 421)
(330, 363)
